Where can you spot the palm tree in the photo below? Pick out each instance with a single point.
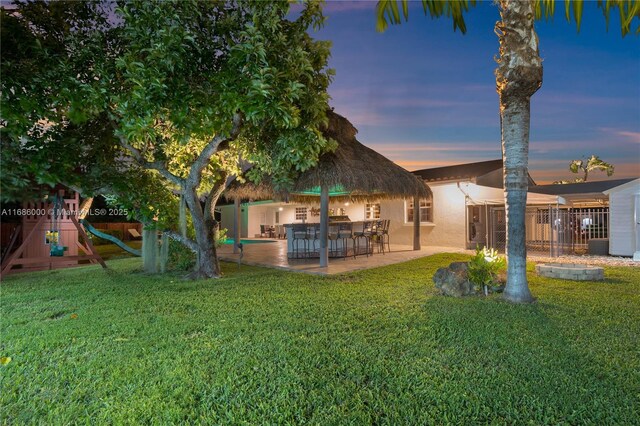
(592, 164)
(518, 77)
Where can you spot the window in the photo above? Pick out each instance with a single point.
(426, 210)
(371, 211)
(277, 218)
(301, 213)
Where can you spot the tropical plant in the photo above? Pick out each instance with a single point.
(585, 166)
(518, 77)
(185, 92)
(484, 267)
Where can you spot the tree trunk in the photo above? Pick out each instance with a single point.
(518, 77)
(207, 263)
(149, 244)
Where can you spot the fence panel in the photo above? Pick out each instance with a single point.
(558, 231)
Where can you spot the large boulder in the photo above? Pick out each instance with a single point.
(454, 281)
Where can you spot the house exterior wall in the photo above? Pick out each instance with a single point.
(622, 232)
(226, 219)
(448, 228)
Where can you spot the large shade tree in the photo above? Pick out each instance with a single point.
(180, 94)
(518, 77)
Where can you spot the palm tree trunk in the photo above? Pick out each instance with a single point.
(518, 77)
(515, 151)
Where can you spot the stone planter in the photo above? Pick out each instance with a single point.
(570, 271)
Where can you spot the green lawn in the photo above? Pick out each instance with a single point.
(268, 347)
(112, 251)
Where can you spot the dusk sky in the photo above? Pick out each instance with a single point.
(425, 96)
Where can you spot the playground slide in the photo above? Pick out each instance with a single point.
(111, 238)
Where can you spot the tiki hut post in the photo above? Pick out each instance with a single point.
(236, 225)
(324, 225)
(416, 222)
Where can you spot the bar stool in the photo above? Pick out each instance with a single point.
(385, 234)
(378, 233)
(360, 233)
(333, 236)
(312, 234)
(299, 231)
(345, 233)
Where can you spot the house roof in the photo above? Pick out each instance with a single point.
(634, 184)
(459, 171)
(596, 187)
(352, 172)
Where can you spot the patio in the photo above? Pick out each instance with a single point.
(273, 254)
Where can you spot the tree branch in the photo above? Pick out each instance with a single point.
(152, 165)
(213, 196)
(189, 243)
(195, 174)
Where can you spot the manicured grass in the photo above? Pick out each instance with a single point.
(112, 251)
(268, 347)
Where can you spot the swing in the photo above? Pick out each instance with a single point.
(53, 237)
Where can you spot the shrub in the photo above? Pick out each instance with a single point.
(484, 268)
(221, 237)
(181, 258)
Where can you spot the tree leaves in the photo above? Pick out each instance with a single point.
(388, 12)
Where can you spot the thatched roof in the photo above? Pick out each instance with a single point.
(359, 173)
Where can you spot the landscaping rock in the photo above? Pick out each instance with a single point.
(453, 281)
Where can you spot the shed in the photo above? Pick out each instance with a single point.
(624, 220)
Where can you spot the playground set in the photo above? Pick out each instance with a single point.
(54, 235)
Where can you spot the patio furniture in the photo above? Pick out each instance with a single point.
(345, 233)
(134, 233)
(263, 231)
(362, 230)
(333, 239)
(313, 233)
(380, 234)
(385, 234)
(341, 232)
(299, 231)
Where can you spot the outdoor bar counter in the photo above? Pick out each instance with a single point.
(346, 238)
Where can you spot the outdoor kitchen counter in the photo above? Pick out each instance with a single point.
(336, 248)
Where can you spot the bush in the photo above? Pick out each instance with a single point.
(484, 268)
(221, 237)
(181, 258)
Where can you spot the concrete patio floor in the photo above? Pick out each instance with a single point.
(274, 255)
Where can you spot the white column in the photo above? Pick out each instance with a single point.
(324, 226)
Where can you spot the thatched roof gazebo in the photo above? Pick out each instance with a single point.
(353, 172)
